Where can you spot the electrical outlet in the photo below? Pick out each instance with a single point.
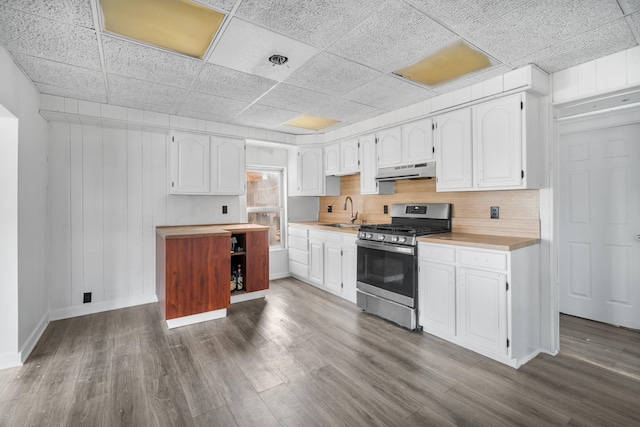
(86, 297)
(495, 212)
(329, 208)
(224, 209)
(386, 209)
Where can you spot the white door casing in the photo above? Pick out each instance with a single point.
(599, 219)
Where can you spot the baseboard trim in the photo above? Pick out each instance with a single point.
(280, 276)
(196, 318)
(10, 360)
(33, 339)
(98, 307)
(248, 296)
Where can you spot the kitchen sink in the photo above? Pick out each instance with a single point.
(341, 225)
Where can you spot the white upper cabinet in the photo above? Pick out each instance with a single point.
(494, 145)
(189, 157)
(417, 141)
(453, 151)
(389, 147)
(369, 168)
(310, 171)
(230, 165)
(497, 141)
(342, 158)
(332, 159)
(349, 157)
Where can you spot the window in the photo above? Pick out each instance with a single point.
(265, 201)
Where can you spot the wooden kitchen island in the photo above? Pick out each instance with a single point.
(193, 269)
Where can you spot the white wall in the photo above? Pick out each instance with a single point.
(20, 97)
(108, 192)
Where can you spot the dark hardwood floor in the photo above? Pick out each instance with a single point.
(305, 358)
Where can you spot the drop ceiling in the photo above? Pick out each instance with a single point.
(341, 53)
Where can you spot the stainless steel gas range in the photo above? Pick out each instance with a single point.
(387, 283)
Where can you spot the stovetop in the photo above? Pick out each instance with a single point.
(401, 229)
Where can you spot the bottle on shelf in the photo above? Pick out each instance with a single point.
(239, 279)
(233, 281)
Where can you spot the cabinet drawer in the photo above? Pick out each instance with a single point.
(299, 256)
(298, 242)
(326, 236)
(492, 260)
(436, 253)
(299, 270)
(295, 231)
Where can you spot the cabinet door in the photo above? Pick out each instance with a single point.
(257, 261)
(310, 171)
(389, 147)
(369, 167)
(333, 268)
(417, 141)
(453, 150)
(497, 142)
(190, 159)
(437, 297)
(316, 262)
(349, 271)
(349, 156)
(332, 159)
(229, 168)
(482, 309)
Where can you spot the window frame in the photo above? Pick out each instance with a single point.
(283, 198)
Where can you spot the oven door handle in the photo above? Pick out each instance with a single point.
(405, 250)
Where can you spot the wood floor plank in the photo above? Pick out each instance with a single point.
(302, 357)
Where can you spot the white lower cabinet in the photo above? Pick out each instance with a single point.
(485, 300)
(332, 261)
(298, 239)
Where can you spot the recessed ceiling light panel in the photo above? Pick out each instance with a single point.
(446, 64)
(308, 121)
(178, 25)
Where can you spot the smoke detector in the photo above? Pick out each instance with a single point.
(278, 59)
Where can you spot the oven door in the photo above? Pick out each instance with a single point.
(388, 271)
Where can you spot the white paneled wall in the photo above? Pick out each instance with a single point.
(618, 71)
(107, 193)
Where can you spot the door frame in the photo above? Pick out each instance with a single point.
(597, 120)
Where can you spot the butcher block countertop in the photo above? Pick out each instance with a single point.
(499, 243)
(181, 231)
(483, 241)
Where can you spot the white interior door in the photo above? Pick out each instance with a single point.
(599, 227)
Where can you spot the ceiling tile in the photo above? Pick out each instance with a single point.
(294, 98)
(212, 104)
(131, 59)
(395, 36)
(262, 116)
(219, 4)
(142, 105)
(465, 16)
(540, 24)
(384, 92)
(468, 81)
(318, 23)
(85, 93)
(294, 130)
(332, 74)
(607, 39)
(230, 83)
(630, 5)
(246, 47)
(76, 12)
(635, 18)
(343, 110)
(126, 88)
(43, 38)
(60, 75)
(203, 116)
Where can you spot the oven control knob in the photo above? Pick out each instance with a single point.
(402, 239)
(381, 237)
(394, 239)
(368, 236)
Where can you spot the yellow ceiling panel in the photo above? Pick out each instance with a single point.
(179, 25)
(308, 121)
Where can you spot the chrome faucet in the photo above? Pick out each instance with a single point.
(353, 217)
